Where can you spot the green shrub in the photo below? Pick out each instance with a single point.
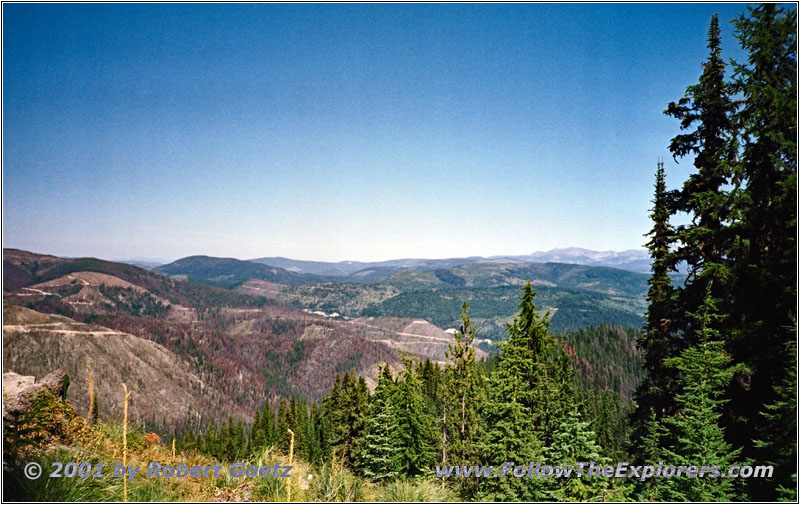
(340, 485)
(403, 490)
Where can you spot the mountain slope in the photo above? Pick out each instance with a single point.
(230, 272)
(166, 390)
(347, 268)
(576, 295)
(27, 270)
(248, 347)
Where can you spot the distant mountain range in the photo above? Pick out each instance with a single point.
(578, 295)
(230, 272)
(633, 260)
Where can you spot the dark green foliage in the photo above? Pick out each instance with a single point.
(765, 257)
(577, 308)
(581, 294)
(462, 395)
(777, 440)
(574, 442)
(695, 427)
(448, 277)
(704, 242)
(658, 340)
(345, 412)
(740, 247)
(414, 434)
(133, 302)
(607, 357)
(379, 452)
(608, 414)
(530, 395)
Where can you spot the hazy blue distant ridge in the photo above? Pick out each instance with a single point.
(632, 260)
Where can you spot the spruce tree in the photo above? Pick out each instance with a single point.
(543, 366)
(650, 452)
(463, 396)
(658, 342)
(258, 439)
(357, 409)
(705, 243)
(414, 434)
(765, 295)
(695, 427)
(509, 435)
(574, 442)
(335, 416)
(379, 452)
(708, 107)
(777, 444)
(513, 430)
(283, 425)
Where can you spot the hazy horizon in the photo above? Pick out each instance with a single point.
(376, 260)
(341, 132)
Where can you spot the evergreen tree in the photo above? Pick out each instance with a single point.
(778, 444)
(575, 442)
(514, 390)
(380, 451)
(460, 416)
(650, 454)
(357, 411)
(345, 411)
(258, 439)
(269, 426)
(509, 435)
(284, 423)
(610, 423)
(188, 441)
(541, 363)
(210, 442)
(414, 434)
(706, 373)
(765, 295)
(311, 436)
(704, 243)
(657, 341)
(322, 428)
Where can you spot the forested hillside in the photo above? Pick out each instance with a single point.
(577, 296)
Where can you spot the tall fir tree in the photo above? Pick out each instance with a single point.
(695, 428)
(414, 434)
(707, 106)
(378, 454)
(705, 243)
(463, 395)
(258, 439)
(765, 294)
(657, 341)
(575, 442)
(516, 408)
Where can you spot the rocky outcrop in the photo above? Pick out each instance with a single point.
(19, 390)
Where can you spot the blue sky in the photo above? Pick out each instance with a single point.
(335, 131)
